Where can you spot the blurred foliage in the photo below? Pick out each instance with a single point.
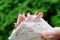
(9, 10)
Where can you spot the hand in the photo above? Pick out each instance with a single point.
(53, 34)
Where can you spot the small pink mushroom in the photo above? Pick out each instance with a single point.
(21, 17)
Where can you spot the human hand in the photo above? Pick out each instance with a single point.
(53, 34)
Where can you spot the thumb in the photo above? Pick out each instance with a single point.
(47, 34)
(57, 32)
(54, 33)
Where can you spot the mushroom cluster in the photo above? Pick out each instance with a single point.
(29, 27)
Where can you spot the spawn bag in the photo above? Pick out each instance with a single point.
(30, 30)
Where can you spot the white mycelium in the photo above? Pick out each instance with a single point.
(30, 30)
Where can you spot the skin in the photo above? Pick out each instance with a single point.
(53, 34)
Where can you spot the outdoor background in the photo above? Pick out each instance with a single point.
(9, 10)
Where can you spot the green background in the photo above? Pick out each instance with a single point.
(9, 10)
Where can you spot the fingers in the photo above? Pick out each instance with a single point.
(52, 34)
(47, 34)
(52, 39)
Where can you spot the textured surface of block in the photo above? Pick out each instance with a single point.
(30, 30)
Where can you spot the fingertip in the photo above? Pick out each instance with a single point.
(47, 34)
